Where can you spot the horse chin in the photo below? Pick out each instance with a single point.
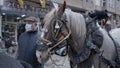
(43, 60)
(42, 56)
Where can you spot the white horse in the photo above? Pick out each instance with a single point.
(65, 25)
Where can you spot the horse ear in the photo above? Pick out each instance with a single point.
(61, 9)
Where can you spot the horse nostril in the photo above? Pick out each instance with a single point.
(40, 56)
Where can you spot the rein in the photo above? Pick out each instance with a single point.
(68, 26)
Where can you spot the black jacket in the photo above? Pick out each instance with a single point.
(27, 47)
(99, 15)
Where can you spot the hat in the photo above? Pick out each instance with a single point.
(31, 18)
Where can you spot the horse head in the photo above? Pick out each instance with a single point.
(54, 33)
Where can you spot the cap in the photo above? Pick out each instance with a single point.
(31, 18)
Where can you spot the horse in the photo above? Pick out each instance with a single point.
(63, 25)
(60, 32)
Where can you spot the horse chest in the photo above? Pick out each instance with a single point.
(57, 62)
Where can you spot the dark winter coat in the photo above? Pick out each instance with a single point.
(27, 48)
(99, 15)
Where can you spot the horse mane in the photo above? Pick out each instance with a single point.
(78, 25)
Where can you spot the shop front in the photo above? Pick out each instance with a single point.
(12, 16)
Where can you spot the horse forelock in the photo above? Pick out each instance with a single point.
(49, 16)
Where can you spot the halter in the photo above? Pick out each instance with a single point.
(63, 22)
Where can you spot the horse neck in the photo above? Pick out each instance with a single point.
(78, 29)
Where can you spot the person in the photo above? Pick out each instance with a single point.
(95, 36)
(2, 43)
(27, 43)
(8, 43)
(99, 15)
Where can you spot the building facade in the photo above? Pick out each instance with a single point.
(12, 16)
(33, 8)
(90, 5)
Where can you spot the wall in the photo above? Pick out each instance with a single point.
(0, 25)
(79, 4)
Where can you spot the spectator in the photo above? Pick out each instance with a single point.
(27, 43)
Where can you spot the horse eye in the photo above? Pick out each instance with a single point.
(40, 56)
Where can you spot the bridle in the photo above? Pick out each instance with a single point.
(57, 42)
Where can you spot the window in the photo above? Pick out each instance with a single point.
(86, 0)
(104, 3)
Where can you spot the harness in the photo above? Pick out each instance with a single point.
(114, 64)
(65, 38)
(88, 47)
(97, 47)
(56, 42)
